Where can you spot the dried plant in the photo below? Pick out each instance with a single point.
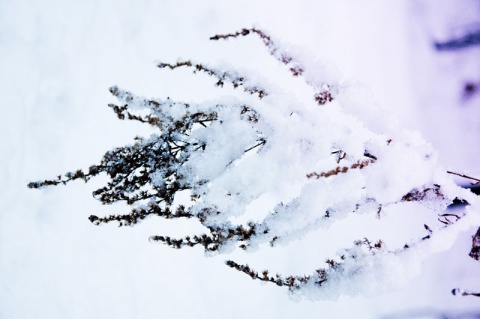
(215, 151)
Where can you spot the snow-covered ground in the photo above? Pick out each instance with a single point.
(57, 61)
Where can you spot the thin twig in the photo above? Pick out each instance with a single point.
(461, 292)
(257, 145)
(465, 176)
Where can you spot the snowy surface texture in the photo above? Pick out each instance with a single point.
(59, 61)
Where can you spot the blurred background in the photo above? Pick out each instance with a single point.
(419, 59)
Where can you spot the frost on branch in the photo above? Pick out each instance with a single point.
(325, 156)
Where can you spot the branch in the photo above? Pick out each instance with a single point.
(468, 40)
(222, 76)
(283, 57)
(466, 176)
(461, 292)
(138, 214)
(70, 176)
(219, 236)
(292, 282)
(341, 170)
(297, 68)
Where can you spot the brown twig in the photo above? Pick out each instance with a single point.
(295, 67)
(223, 76)
(341, 170)
(466, 176)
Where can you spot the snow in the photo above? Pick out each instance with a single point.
(58, 61)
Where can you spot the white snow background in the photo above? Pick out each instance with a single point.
(57, 61)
